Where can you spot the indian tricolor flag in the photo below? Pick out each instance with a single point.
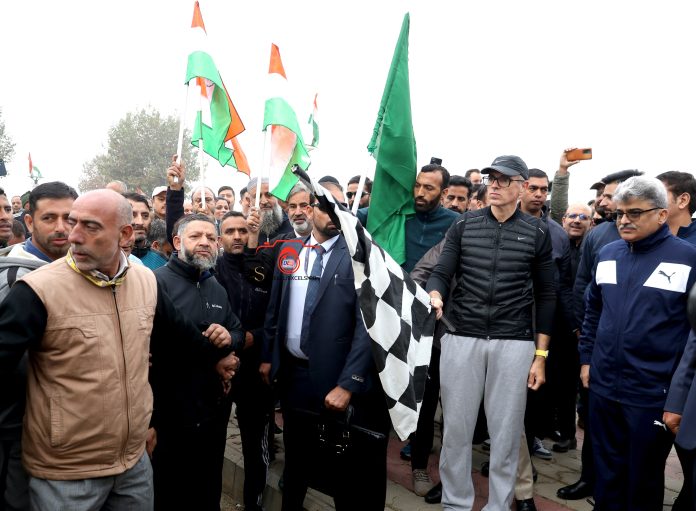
(314, 121)
(34, 172)
(287, 145)
(217, 122)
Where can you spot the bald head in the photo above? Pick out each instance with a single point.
(111, 203)
(577, 221)
(101, 221)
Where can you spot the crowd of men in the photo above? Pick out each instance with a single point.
(130, 325)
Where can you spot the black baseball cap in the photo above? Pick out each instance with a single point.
(621, 176)
(509, 166)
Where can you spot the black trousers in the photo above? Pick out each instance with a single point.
(562, 370)
(587, 473)
(356, 479)
(254, 415)
(686, 501)
(14, 481)
(187, 466)
(630, 453)
(422, 440)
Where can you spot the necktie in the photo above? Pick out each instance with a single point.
(311, 296)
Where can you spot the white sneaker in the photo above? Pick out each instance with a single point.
(421, 482)
(540, 451)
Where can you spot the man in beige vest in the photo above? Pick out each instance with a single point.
(86, 320)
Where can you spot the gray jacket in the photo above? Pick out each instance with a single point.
(12, 402)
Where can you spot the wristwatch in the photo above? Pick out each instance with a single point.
(541, 353)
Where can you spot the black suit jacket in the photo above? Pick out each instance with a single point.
(682, 395)
(339, 347)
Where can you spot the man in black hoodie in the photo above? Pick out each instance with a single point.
(242, 274)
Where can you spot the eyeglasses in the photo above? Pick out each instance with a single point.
(579, 216)
(503, 181)
(350, 195)
(632, 214)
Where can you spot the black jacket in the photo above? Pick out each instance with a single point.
(188, 392)
(244, 278)
(503, 271)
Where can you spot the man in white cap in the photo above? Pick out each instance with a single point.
(159, 202)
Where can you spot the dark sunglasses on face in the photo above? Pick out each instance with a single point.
(350, 195)
(579, 216)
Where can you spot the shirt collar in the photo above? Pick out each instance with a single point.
(31, 248)
(327, 244)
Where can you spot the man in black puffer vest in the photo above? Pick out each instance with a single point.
(501, 258)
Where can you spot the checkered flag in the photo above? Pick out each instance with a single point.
(396, 312)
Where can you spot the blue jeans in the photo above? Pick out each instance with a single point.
(130, 491)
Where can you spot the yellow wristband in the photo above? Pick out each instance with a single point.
(541, 353)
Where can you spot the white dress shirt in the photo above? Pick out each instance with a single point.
(298, 292)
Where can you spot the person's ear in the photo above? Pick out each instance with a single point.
(683, 200)
(29, 222)
(125, 233)
(662, 216)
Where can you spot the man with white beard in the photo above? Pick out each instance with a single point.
(273, 221)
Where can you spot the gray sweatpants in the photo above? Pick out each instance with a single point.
(496, 370)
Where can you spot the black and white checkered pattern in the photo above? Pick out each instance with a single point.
(396, 312)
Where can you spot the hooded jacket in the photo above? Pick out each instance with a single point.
(15, 262)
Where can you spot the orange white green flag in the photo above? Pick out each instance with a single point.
(314, 121)
(287, 146)
(217, 122)
(34, 172)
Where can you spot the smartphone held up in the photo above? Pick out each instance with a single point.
(579, 154)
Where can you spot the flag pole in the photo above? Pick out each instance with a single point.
(182, 124)
(358, 192)
(200, 154)
(266, 164)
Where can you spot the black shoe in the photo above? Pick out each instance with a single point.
(556, 436)
(526, 505)
(565, 445)
(434, 496)
(484, 468)
(576, 491)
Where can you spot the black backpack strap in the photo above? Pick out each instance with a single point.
(12, 275)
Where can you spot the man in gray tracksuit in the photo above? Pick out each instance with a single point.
(501, 258)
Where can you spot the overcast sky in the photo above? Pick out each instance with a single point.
(487, 78)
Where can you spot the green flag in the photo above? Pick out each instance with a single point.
(393, 145)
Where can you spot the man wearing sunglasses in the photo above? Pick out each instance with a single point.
(352, 191)
(633, 336)
(501, 259)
